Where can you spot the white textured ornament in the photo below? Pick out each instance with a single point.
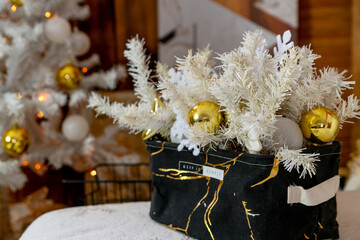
(57, 29)
(289, 133)
(178, 130)
(75, 128)
(81, 43)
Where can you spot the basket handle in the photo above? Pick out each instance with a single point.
(315, 195)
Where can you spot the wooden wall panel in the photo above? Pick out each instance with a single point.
(242, 7)
(355, 60)
(326, 24)
(113, 22)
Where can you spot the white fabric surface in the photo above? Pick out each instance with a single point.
(131, 221)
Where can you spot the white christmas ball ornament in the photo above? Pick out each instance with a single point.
(289, 133)
(57, 29)
(75, 128)
(81, 43)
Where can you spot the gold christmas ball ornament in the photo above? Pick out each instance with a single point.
(68, 76)
(16, 140)
(149, 133)
(207, 115)
(320, 125)
(17, 3)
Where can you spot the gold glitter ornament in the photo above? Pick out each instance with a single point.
(320, 125)
(207, 115)
(17, 3)
(16, 140)
(68, 76)
(157, 105)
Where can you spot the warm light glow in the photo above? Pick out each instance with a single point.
(42, 97)
(84, 70)
(37, 166)
(25, 163)
(40, 114)
(19, 95)
(13, 8)
(48, 14)
(93, 173)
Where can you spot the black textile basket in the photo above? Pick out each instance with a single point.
(249, 203)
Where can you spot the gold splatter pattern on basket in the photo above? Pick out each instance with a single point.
(320, 225)
(306, 237)
(273, 173)
(157, 152)
(176, 175)
(247, 218)
(179, 178)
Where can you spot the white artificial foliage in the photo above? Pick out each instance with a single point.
(4, 47)
(105, 80)
(72, 9)
(191, 147)
(137, 117)
(295, 160)
(11, 175)
(90, 62)
(77, 97)
(11, 105)
(252, 88)
(333, 84)
(139, 70)
(252, 78)
(348, 109)
(134, 116)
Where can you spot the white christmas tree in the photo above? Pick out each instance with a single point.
(44, 88)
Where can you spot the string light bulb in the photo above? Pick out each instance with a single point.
(84, 70)
(93, 173)
(42, 97)
(25, 163)
(37, 166)
(48, 14)
(40, 114)
(19, 95)
(13, 8)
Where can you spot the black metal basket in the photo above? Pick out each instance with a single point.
(110, 183)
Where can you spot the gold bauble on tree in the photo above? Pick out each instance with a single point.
(320, 125)
(157, 105)
(207, 115)
(17, 3)
(68, 76)
(16, 140)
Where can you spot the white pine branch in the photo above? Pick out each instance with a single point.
(106, 80)
(136, 117)
(348, 109)
(77, 97)
(301, 162)
(11, 175)
(139, 70)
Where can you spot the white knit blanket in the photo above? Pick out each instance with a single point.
(131, 221)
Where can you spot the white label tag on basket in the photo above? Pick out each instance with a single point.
(213, 172)
(315, 195)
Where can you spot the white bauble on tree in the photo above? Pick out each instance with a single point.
(81, 43)
(75, 128)
(289, 133)
(57, 29)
